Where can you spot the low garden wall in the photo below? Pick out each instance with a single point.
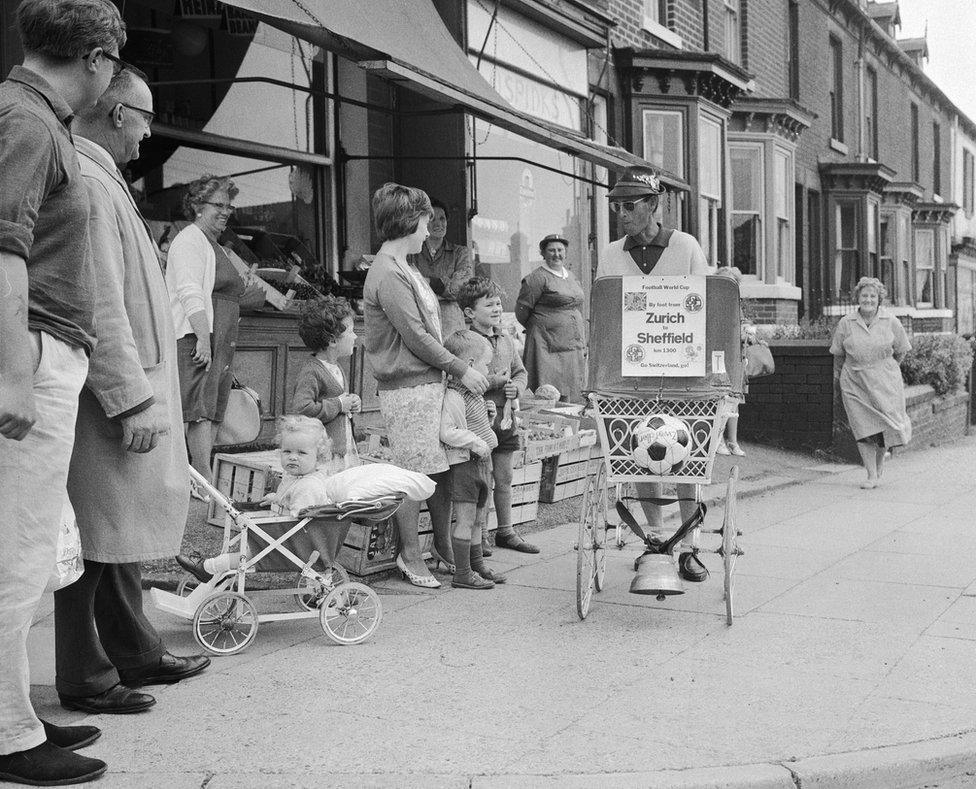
(796, 406)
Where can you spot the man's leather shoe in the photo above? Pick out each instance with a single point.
(690, 567)
(514, 543)
(168, 670)
(49, 765)
(117, 700)
(194, 566)
(71, 737)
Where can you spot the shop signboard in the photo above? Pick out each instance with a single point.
(662, 327)
(201, 9)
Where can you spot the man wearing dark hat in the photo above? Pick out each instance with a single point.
(649, 248)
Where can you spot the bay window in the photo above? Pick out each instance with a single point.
(847, 255)
(710, 185)
(746, 161)
(925, 267)
(783, 194)
(664, 140)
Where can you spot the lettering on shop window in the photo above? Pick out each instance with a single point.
(200, 8)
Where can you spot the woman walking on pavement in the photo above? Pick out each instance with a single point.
(868, 345)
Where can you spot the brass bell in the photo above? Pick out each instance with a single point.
(657, 574)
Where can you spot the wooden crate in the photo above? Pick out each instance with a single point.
(565, 475)
(525, 497)
(371, 548)
(246, 476)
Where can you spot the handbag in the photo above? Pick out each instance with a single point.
(242, 419)
(68, 562)
(759, 360)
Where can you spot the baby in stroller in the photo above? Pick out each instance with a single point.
(303, 446)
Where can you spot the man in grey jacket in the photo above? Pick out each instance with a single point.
(128, 480)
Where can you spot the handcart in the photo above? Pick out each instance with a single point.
(621, 404)
(225, 617)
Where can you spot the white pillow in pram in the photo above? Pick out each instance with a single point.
(372, 480)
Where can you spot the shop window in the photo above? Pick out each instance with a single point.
(664, 140)
(836, 89)
(847, 256)
(925, 267)
(913, 131)
(936, 158)
(710, 185)
(746, 161)
(733, 31)
(519, 203)
(783, 172)
(967, 182)
(871, 113)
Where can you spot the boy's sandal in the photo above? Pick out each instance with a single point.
(471, 581)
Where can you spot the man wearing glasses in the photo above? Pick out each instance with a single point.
(46, 336)
(128, 479)
(649, 248)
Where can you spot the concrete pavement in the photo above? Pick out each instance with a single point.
(850, 663)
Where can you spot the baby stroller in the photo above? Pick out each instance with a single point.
(225, 617)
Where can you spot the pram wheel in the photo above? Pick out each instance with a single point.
(186, 585)
(310, 593)
(350, 613)
(225, 623)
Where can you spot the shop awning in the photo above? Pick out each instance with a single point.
(406, 41)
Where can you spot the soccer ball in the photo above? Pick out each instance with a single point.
(660, 443)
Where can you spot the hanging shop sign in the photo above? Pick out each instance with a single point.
(201, 9)
(663, 327)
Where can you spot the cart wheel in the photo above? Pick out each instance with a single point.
(309, 593)
(350, 613)
(730, 548)
(600, 506)
(186, 585)
(225, 623)
(585, 558)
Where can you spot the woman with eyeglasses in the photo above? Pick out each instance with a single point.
(205, 294)
(550, 307)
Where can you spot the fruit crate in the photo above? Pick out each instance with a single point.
(565, 475)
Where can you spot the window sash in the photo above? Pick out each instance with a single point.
(925, 267)
(664, 140)
(837, 90)
(710, 158)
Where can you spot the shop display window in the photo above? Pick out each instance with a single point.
(234, 97)
(518, 203)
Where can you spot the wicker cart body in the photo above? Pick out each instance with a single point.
(619, 404)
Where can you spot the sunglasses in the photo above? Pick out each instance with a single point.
(627, 205)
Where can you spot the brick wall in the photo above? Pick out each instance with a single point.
(685, 19)
(764, 51)
(793, 407)
(936, 420)
(796, 406)
(770, 310)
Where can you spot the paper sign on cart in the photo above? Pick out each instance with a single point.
(663, 327)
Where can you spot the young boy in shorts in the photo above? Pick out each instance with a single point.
(481, 300)
(466, 430)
